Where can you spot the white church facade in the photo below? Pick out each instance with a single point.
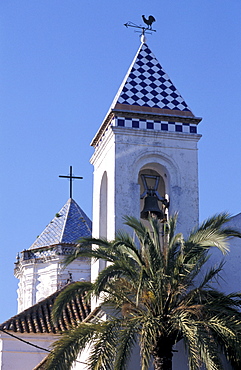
(149, 135)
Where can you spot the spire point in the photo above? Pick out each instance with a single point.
(143, 38)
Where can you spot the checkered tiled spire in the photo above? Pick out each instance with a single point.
(146, 84)
(147, 99)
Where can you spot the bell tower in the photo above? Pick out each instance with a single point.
(145, 147)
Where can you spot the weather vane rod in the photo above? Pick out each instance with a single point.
(148, 21)
(71, 177)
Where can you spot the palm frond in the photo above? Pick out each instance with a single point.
(151, 329)
(85, 249)
(137, 226)
(103, 350)
(210, 274)
(110, 272)
(127, 340)
(69, 293)
(205, 239)
(214, 222)
(125, 246)
(71, 343)
(208, 352)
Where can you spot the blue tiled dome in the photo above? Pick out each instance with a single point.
(68, 225)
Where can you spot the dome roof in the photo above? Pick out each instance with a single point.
(68, 225)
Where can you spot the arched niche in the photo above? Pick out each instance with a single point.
(103, 213)
(158, 177)
(103, 206)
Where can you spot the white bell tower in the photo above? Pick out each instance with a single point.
(148, 134)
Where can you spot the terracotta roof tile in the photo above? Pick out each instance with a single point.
(37, 319)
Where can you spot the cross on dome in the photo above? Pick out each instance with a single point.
(71, 177)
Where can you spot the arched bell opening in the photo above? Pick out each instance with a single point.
(154, 198)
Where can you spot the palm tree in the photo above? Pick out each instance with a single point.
(155, 290)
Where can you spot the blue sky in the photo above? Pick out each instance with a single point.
(61, 65)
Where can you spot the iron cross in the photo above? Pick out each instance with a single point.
(71, 177)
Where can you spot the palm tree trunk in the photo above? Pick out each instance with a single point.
(162, 355)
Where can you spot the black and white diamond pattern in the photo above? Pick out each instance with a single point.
(168, 126)
(148, 85)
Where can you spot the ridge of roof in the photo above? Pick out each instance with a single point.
(37, 318)
(69, 224)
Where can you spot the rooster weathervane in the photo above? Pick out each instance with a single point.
(148, 21)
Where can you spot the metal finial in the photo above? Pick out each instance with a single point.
(143, 38)
(71, 177)
(148, 21)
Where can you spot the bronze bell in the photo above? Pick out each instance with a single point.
(151, 207)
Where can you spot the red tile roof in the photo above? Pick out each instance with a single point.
(37, 318)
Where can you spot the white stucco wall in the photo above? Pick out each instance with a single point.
(17, 355)
(230, 280)
(40, 278)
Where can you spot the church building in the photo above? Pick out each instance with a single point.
(147, 145)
